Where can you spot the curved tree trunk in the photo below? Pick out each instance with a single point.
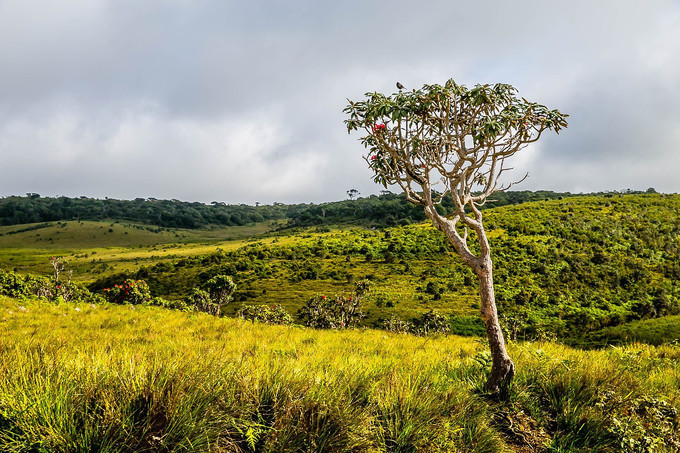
(502, 367)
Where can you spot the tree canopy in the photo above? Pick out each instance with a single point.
(449, 138)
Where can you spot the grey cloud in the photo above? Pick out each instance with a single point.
(181, 91)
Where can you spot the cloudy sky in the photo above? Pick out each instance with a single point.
(241, 101)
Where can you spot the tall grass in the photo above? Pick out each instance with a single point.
(113, 378)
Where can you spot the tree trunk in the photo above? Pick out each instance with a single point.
(502, 367)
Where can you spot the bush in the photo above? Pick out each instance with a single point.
(433, 322)
(133, 292)
(221, 287)
(340, 312)
(20, 286)
(17, 286)
(430, 323)
(268, 314)
(397, 325)
(219, 292)
(171, 304)
(201, 301)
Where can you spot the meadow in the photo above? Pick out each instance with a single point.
(564, 268)
(599, 273)
(80, 377)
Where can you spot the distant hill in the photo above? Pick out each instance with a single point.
(387, 209)
(163, 213)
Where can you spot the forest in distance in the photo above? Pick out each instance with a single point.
(387, 209)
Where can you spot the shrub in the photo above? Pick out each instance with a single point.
(133, 292)
(16, 285)
(430, 323)
(340, 312)
(201, 301)
(19, 286)
(397, 325)
(268, 314)
(220, 289)
(172, 304)
(433, 322)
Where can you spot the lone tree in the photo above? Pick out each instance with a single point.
(451, 141)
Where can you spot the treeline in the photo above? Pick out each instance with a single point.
(387, 209)
(163, 213)
(391, 209)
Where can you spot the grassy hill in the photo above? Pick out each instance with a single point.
(651, 331)
(563, 268)
(76, 377)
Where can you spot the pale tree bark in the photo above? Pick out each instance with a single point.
(502, 366)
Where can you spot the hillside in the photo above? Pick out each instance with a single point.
(563, 268)
(80, 377)
(387, 209)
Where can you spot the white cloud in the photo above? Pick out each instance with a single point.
(242, 102)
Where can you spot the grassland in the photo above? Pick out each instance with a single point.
(93, 248)
(76, 377)
(117, 378)
(652, 331)
(563, 268)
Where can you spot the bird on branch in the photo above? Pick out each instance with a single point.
(400, 86)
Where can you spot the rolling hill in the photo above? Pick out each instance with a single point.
(563, 268)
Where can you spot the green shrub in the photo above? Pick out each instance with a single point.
(217, 293)
(340, 312)
(200, 300)
(397, 325)
(219, 290)
(268, 314)
(430, 323)
(27, 286)
(433, 322)
(172, 304)
(133, 292)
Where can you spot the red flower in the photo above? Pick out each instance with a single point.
(379, 127)
(373, 157)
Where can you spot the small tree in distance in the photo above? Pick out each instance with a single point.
(451, 141)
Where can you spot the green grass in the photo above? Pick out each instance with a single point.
(75, 235)
(118, 378)
(94, 249)
(650, 331)
(562, 268)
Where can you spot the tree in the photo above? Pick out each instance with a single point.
(452, 141)
(352, 193)
(220, 288)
